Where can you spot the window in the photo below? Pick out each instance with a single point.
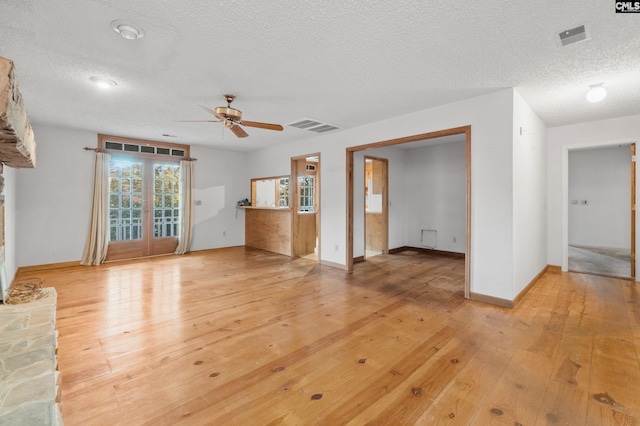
(270, 192)
(283, 192)
(307, 193)
(166, 200)
(147, 148)
(125, 200)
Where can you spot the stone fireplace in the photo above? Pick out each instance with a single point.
(29, 377)
(17, 142)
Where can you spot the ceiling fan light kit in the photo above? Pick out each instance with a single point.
(231, 115)
(231, 118)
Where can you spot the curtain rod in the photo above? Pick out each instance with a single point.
(86, 148)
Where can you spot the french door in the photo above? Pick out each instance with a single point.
(144, 213)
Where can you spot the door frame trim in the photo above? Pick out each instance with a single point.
(293, 202)
(564, 206)
(148, 246)
(633, 210)
(466, 130)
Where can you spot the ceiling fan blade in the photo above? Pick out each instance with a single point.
(238, 131)
(267, 126)
(197, 121)
(209, 110)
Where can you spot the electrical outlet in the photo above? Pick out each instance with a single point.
(224, 233)
(336, 247)
(455, 239)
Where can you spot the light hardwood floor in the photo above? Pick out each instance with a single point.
(242, 336)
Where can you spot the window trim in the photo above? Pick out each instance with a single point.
(103, 139)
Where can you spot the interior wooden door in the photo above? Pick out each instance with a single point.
(376, 220)
(305, 206)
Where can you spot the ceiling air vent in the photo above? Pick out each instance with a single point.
(573, 35)
(313, 125)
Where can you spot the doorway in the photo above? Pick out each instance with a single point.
(305, 205)
(144, 215)
(376, 209)
(601, 210)
(466, 132)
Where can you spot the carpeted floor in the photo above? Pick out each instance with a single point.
(600, 261)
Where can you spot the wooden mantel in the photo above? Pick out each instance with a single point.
(17, 143)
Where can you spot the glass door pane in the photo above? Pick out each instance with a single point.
(125, 200)
(307, 193)
(166, 200)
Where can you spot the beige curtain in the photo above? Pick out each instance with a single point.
(95, 250)
(186, 207)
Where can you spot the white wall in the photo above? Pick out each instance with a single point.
(266, 193)
(436, 194)
(9, 192)
(221, 179)
(54, 199)
(559, 139)
(529, 194)
(602, 177)
(491, 119)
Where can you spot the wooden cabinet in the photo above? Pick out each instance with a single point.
(273, 230)
(305, 233)
(268, 229)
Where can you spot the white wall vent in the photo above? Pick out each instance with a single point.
(429, 238)
(313, 125)
(573, 35)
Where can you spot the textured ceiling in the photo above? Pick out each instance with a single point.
(344, 63)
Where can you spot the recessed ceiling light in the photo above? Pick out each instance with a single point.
(103, 83)
(596, 93)
(127, 29)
